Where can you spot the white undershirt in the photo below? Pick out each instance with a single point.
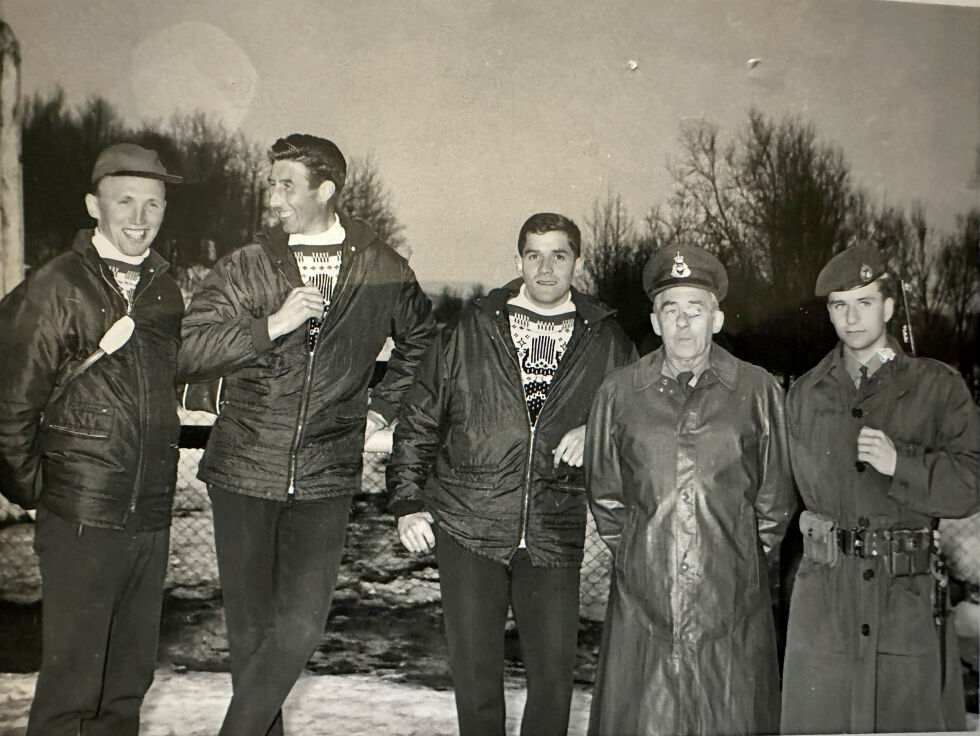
(108, 249)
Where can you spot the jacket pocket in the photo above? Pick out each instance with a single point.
(476, 477)
(81, 420)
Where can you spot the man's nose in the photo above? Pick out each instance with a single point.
(852, 315)
(546, 266)
(682, 320)
(140, 217)
(275, 198)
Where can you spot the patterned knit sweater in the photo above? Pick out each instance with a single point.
(541, 341)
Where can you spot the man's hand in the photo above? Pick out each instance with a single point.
(303, 303)
(571, 449)
(876, 448)
(374, 422)
(415, 531)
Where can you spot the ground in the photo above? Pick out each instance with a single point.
(192, 704)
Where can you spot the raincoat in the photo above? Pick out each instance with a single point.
(693, 494)
(862, 647)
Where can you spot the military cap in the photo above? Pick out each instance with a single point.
(686, 265)
(850, 269)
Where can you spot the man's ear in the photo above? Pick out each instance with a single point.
(519, 264)
(92, 205)
(325, 191)
(889, 308)
(719, 320)
(655, 321)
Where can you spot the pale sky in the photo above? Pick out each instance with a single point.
(480, 113)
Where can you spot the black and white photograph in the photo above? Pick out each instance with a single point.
(489, 367)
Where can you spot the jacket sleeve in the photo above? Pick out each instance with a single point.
(220, 333)
(943, 480)
(412, 330)
(775, 501)
(31, 354)
(418, 432)
(603, 471)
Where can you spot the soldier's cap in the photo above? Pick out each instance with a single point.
(686, 265)
(128, 159)
(850, 269)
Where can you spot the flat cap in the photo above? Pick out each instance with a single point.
(687, 265)
(850, 269)
(128, 159)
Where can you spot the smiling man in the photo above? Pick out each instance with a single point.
(294, 323)
(486, 468)
(94, 447)
(688, 477)
(882, 445)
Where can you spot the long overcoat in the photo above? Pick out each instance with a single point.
(862, 647)
(691, 493)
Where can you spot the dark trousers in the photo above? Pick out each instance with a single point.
(102, 592)
(278, 564)
(476, 593)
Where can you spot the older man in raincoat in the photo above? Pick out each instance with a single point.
(882, 444)
(689, 481)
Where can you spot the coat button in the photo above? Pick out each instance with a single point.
(868, 574)
(857, 413)
(860, 466)
(865, 630)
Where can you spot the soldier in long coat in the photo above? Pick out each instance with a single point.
(688, 474)
(882, 444)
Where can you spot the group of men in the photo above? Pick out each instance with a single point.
(505, 428)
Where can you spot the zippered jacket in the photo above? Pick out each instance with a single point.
(100, 449)
(292, 421)
(464, 448)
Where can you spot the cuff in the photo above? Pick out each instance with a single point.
(260, 334)
(404, 508)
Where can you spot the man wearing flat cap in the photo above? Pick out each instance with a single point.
(88, 437)
(882, 445)
(688, 476)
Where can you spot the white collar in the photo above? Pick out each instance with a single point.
(108, 249)
(522, 300)
(333, 235)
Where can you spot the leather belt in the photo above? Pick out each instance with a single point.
(904, 551)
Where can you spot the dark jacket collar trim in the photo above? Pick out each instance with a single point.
(721, 363)
(587, 308)
(83, 245)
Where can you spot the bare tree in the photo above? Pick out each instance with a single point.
(366, 196)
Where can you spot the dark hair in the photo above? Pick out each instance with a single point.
(322, 159)
(547, 222)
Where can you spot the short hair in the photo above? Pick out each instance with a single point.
(322, 159)
(887, 286)
(547, 222)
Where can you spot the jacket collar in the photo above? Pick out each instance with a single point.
(83, 244)
(276, 242)
(834, 362)
(721, 364)
(587, 308)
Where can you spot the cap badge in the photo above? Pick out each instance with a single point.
(865, 273)
(680, 269)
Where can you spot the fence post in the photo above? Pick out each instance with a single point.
(11, 182)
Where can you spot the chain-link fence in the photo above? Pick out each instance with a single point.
(193, 571)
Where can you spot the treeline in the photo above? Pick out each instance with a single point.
(220, 205)
(774, 203)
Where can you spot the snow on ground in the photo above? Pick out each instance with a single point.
(193, 703)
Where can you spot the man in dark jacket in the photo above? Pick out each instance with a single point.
(496, 418)
(689, 480)
(882, 445)
(90, 441)
(294, 323)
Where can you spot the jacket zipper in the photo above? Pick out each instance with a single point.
(304, 404)
(141, 382)
(532, 432)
